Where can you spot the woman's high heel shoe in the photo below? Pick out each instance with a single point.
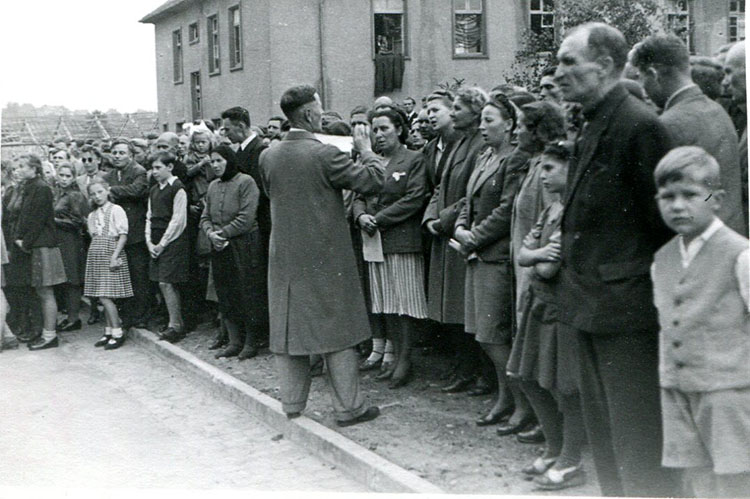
(495, 417)
(402, 379)
(386, 371)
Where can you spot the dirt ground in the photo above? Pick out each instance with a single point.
(421, 429)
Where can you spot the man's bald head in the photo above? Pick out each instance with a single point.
(383, 102)
(734, 72)
(168, 141)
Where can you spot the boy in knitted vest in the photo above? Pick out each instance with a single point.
(701, 292)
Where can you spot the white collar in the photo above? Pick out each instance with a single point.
(440, 144)
(169, 181)
(247, 141)
(295, 129)
(678, 92)
(688, 253)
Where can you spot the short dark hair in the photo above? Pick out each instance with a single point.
(501, 102)
(397, 117)
(122, 140)
(165, 158)
(549, 71)
(296, 97)
(607, 40)
(88, 148)
(545, 120)
(664, 51)
(358, 110)
(338, 127)
(411, 99)
(522, 98)
(707, 73)
(237, 113)
(559, 149)
(35, 162)
(334, 114)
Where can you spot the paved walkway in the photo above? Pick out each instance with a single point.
(79, 416)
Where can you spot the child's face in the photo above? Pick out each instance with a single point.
(688, 207)
(98, 194)
(160, 171)
(554, 174)
(201, 144)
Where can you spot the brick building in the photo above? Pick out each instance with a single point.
(213, 54)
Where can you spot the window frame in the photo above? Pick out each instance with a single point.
(736, 16)
(674, 12)
(196, 95)
(178, 66)
(404, 29)
(214, 45)
(194, 26)
(485, 54)
(235, 45)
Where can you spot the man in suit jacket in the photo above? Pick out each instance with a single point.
(610, 231)
(129, 188)
(691, 118)
(236, 122)
(317, 306)
(734, 79)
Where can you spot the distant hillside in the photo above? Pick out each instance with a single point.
(16, 110)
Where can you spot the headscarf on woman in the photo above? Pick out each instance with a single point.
(228, 154)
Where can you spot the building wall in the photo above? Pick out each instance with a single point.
(710, 25)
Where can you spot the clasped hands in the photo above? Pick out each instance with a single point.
(218, 241)
(368, 224)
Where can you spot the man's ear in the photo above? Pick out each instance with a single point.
(653, 73)
(606, 63)
(717, 197)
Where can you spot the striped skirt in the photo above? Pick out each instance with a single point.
(397, 285)
(100, 281)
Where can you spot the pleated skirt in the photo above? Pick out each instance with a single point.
(397, 285)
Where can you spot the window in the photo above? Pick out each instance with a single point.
(235, 38)
(469, 36)
(165, 127)
(736, 20)
(542, 20)
(193, 34)
(389, 27)
(195, 94)
(678, 21)
(214, 60)
(177, 55)
(178, 126)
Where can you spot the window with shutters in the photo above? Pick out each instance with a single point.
(469, 29)
(195, 95)
(235, 38)
(389, 27)
(542, 20)
(736, 30)
(214, 54)
(177, 55)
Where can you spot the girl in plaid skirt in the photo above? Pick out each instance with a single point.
(107, 275)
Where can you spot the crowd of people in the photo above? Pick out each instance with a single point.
(580, 250)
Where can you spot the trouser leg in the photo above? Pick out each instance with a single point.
(294, 376)
(135, 309)
(343, 377)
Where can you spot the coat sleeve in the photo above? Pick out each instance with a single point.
(343, 173)
(248, 197)
(411, 202)
(497, 224)
(359, 206)
(205, 221)
(431, 213)
(136, 189)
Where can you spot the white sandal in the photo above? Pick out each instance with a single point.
(553, 479)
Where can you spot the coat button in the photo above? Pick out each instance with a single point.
(577, 235)
(677, 302)
(675, 323)
(677, 344)
(679, 365)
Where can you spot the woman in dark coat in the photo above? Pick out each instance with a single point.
(237, 256)
(397, 282)
(70, 217)
(34, 233)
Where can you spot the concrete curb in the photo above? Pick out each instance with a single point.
(365, 466)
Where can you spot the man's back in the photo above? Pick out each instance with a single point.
(694, 119)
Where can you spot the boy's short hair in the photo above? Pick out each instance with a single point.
(691, 163)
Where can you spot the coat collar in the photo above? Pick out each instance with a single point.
(597, 121)
(491, 163)
(299, 135)
(683, 94)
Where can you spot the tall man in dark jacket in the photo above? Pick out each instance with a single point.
(129, 189)
(236, 121)
(610, 231)
(690, 117)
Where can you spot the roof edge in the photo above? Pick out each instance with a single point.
(164, 10)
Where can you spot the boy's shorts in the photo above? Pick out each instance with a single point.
(707, 429)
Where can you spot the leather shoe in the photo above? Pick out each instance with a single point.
(69, 326)
(218, 343)
(172, 335)
(369, 365)
(229, 351)
(94, 317)
(247, 353)
(102, 341)
(401, 380)
(511, 428)
(43, 344)
(495, 418)
(482, 387)
(460, 385)
(114, 343)
(386, 371)
(533, 436)
(370, 414)
(292, 415)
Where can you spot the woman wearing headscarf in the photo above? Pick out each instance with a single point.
(237, 257)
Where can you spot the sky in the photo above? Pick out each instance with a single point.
(81, 54)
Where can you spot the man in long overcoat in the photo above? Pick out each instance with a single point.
(611, 229)
(316, 300)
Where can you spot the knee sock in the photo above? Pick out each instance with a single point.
(48, 335)
(117, 332)
(107, 331)
(389, 356)
(378, 348)
(546, 410)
